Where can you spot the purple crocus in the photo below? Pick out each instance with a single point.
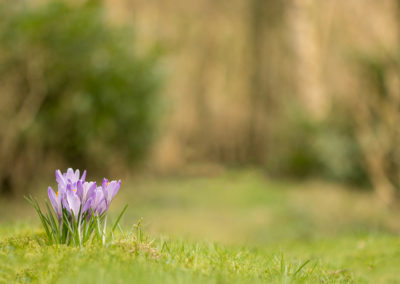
(110, 189)
(85, 190)
(97, 202)
(71, 201)
(70, 176)
(55, 200)
(76, 195)
(80, 207)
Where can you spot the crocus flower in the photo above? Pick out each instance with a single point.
(71, 201)
(55, 200)
(85, 190)
(97, 202)
(80, 205)
(76, 195)
(110, 189)
(69, 177)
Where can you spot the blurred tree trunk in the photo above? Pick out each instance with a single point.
(266, 19)
(256, 75)
(308, 61)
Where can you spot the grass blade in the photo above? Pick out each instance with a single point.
(119, 218)
(301, 267)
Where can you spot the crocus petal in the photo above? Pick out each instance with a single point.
(65, 204)
(91, 186)
(61, 189)
(79, 189)
(115, 189)
(98, 196)
(112, 189)
(77, 174)
(52, 197)
(104, 187)
(73, 202)
(83, 176)
(98, 202)
(70, 175)
(55, 202)
(70, 172)
(59, 178)
(102, 207)
(87, 205)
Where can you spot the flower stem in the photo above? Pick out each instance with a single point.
(104, 230)
(79, 231)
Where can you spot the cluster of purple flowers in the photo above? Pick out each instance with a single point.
(80, 197)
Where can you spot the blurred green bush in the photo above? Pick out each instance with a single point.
(73, 87)
(325, 148)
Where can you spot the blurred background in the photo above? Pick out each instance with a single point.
(231, 120)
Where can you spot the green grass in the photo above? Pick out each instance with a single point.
(235, 228)
(360, 259)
